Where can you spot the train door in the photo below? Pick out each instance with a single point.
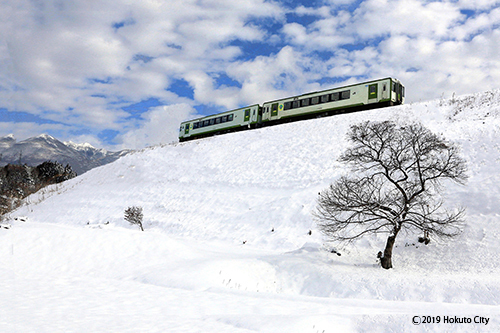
(254, 116)
(251, 115)
(399, 91)
(385, 91)
(259, 114)
(265, 113)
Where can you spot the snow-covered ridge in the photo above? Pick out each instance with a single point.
(230, 244)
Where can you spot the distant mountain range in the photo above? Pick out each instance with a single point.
(38, 149)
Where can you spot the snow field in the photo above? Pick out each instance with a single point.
(227, 245)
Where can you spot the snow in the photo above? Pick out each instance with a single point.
(45, 137)
(79, 146)
(230, 244)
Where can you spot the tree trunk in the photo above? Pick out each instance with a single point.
(386, 260)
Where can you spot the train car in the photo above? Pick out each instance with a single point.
(355, 97)
(229, 121)
(361, 96)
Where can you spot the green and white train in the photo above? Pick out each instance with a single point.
(355, 97)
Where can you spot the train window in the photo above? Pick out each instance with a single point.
(402, 91)
(325, 98)
(217, 120)
(335, 97)
(287, 105)
(206, 123)
(212, 121)
(195, 125)
(373, 91)
(315, 100)
(230, 117)
(305, 102)
(346, 94)
(247, 115)
(295, 104)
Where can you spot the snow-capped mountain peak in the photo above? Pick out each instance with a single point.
(45, 136)
(7, 141)
(81, 146)
(44, 147)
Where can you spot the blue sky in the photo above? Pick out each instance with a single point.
(124, 74)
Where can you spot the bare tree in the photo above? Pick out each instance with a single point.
(133, 215)
(395, 185)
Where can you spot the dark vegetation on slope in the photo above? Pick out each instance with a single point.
(19, 181)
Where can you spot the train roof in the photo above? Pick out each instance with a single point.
(221, 113)
(340, 87)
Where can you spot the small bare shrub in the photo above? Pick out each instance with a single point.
(133, 215)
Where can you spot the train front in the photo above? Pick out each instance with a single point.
(398, 92)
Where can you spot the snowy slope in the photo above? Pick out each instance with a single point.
(227, 245)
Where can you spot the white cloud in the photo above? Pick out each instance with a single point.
(478, 4)
(477, 24)
(78, 61)
(430, 68)
(326, 33)
(283, 74)
(24, 130)
(158, 125)
(323, 11)
(375, 18)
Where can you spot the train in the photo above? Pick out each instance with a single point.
(351, 98)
